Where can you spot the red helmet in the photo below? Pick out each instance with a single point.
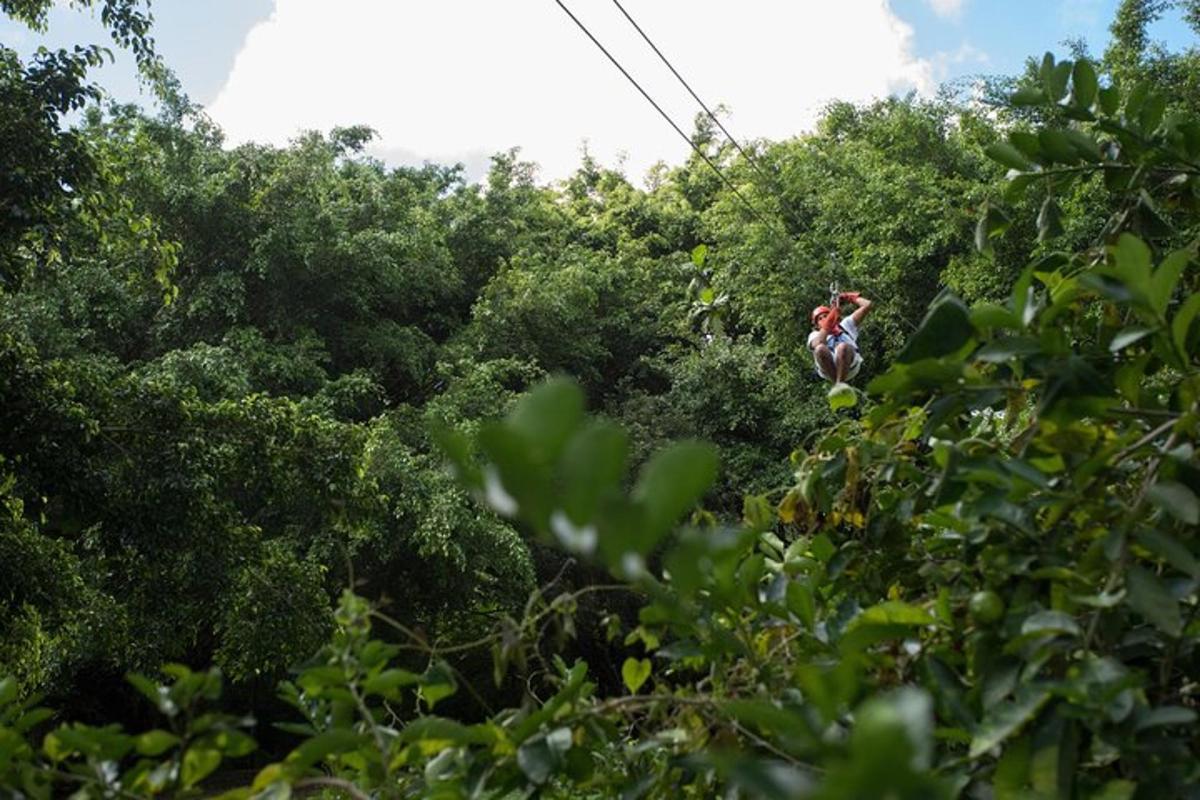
(818, 311)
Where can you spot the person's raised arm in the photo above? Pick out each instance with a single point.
(864, 305)
(829, 322)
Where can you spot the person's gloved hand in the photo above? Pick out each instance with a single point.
(851, 296)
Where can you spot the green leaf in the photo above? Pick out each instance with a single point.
(1127, 337)
(1182, 322)
(1116, 790)
(387, 682)
(537, 760)
(670, 484)
(1024, 297)
(198, 763)
(437, 683)
(548, 415)
(822, 548)
(154, 743)
(1170, 550)
(890, 620)
(1006, 719)
(1110, 100)
(160, 696)
(1028, 96)
(982, 243)
(442, 729)
(894, 730)
(751, 776)
(1027, 143)
(1050, 623)
(1085, 146)
(759, 514)
(1007, 348)
(1084, 83)
(234, 744)
(801, 602)
(1131, 263)
(1102, 600)
(1154, 221)
(1177, 500)
(1047, 66)
(635, 672)
(1049, 220)
(1129, 378)
(1151, 114)
(593, 465)
(894, 612)
(1135, 101)
(992, 222)
(1057, 146)
(1011, 778)
(1166, 278)
(1056, 80)
(31, 719)
(842, 395)
(986, 316)
(1164, 716)
(8, 690)
(331, 742)
(1009, 156)
(1018, 185)
(945, 330)
(1150, 598)
(768, 718)
(699, 254)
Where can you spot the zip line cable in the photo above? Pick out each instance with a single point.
(751, 159)
(834, 263)
(754, 211)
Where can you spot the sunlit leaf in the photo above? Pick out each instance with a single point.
(157, 742)
(842, 395)
(198, 763)
(1127, 337)
(635, 672)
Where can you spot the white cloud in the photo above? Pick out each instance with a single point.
(1081, 13)
(947, 8)
(966, 53)
(450, 79)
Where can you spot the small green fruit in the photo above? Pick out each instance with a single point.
(986, 607)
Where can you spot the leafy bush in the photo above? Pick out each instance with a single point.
(982, 585)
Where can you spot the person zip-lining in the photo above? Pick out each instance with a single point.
(834, 341)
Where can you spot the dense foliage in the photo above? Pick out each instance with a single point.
(231, 379)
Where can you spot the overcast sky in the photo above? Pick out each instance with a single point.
(457, 80)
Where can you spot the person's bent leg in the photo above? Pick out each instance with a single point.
(843, 359)
(825, 364)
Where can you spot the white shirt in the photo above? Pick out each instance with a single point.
(849, 335)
